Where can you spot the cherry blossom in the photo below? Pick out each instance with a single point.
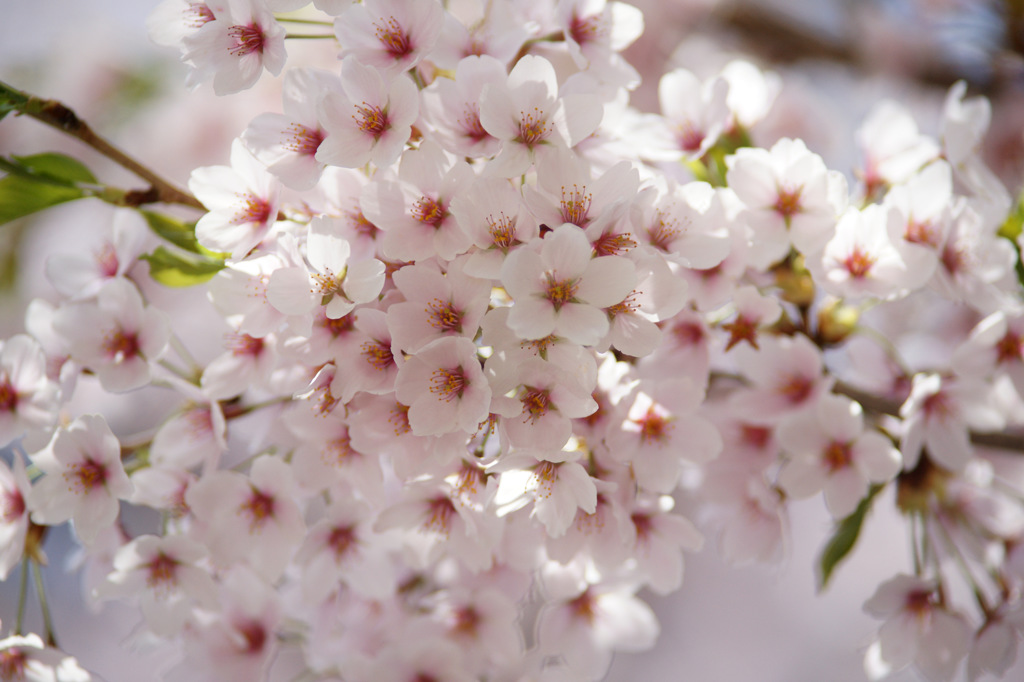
(28, 399)
(526, 113)
(560, 288)
(162, 573)
(242, 199)
(117, 336)
(233, 48)
(390, 35)
(370, 119)
(84, 478)
(917, 629)
(14, 514)
(445, 388)
(831, 451)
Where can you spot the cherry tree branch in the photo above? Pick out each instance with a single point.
(1013, 442)
(59, 116)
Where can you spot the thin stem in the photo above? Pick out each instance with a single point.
(57, 115)
(235, 411)
(182, 351)
(177, 371)
(314, 22)
(19, 622)
(303, 36)
(915, 542)
(965, 568)
(51, 638)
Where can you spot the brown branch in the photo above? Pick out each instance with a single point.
(57, 115)
(1004, 440)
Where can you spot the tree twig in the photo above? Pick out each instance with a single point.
(57, 115)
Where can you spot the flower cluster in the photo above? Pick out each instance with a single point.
(483, 322)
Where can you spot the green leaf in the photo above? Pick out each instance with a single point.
(34, 183)
(177, 232)
(181, 269)
(844, 538)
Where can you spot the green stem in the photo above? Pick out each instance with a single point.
(177, 371)
(182, 351)
(51, 638)
(303, 36)
(314, 22)
(22, 598)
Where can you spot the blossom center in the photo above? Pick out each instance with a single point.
(663, 232)
(576, 205)
(536, 402)
(12, 664)
(429, 211)
(471, 125)
(8, 396)
(690, 139)
(370, 119)
(362, 225)
(260, 507)
(582, 607)
(533, 127)
(585, 29)
(121, 345)
(162, 571)
(654, 427)
(643, 524)
(858, 263)
(918, 603)
(303, 139)
(797, 389)
(243, 344)
(953, 259)
(788, 202)
(87, 475)
(106, 260)
(12, 505)
(448, 384)
(197, 14)
(252, 210)
(341, 540)
(338, 450)
(466, 621)
(560, 291)
(439, 515)
(396, 41)
(502, 231)
(400, 419)
(247, 39)
(755, 436)
(611, 244)
(254, 634)
(378, 354)
(838, 456)
(920, 233)
(340, 326)
(1007, 350)
(444, 316)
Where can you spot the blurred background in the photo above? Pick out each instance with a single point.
(837, 59)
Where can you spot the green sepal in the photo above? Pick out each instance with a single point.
(37, 182)
(844, 538)
(178, 270)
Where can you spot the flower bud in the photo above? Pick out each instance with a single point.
(836, 321)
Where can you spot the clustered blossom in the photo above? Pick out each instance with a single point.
(475, 339)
